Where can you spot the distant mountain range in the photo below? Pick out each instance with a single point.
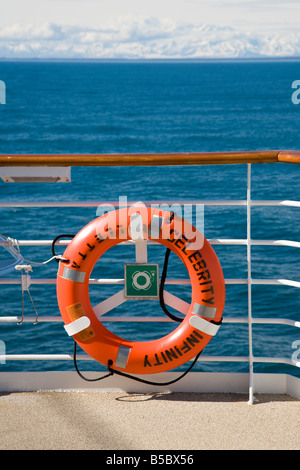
(147, 38)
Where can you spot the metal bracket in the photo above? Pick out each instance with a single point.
(25, 283)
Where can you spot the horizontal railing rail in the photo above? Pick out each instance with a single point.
(285, 282)
(212, 241)
(223, 202)
(142, 159)
(202, 358)
(58, 319)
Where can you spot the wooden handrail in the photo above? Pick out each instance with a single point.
(161, 159)
(289, 156)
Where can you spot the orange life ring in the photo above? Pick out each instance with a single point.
(199, 325)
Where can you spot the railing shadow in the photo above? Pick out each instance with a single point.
(205, 397)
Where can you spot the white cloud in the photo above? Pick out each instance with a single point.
(130, 37)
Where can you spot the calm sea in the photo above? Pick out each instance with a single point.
(55, 107)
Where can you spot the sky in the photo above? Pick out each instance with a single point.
(149, 29)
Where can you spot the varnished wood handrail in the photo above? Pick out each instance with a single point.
(289, 156)
(160, 159)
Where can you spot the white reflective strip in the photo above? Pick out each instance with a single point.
(141, 251)
(122, 357)
(110, 303)
(77, 325)
(155, 226)
(175, 302)
(204, 310)
(203, 325)
(72, 275)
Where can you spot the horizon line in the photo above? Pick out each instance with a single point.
(158, 59)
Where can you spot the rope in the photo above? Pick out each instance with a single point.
(12, 242)
(148, 382)
(128, 376)
(63, 235)
(81, 375)
(163, 280)
(161, 289)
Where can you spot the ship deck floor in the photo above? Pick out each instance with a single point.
(89, 420)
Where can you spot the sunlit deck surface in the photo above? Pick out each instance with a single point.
(155, 421)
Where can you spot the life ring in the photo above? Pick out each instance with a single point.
(200, 323)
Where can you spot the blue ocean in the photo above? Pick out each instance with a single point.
(155, 107)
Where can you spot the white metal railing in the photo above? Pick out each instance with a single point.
(248, 242)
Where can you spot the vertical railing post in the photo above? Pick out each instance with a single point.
(249, 282)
